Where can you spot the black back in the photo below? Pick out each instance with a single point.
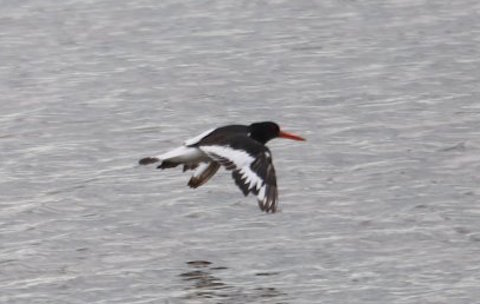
(261, 132)
(222, 135)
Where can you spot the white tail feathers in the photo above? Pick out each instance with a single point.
(180, 155)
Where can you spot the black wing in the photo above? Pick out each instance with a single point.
(252, 167)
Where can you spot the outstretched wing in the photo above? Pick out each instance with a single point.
(203, 173)
(252, 167)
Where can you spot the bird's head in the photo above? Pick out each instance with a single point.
(267, 130)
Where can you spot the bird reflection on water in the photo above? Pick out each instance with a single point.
(204, 283)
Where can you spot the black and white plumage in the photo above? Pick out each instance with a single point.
(238, 148)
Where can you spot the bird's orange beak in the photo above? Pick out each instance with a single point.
(283, 134)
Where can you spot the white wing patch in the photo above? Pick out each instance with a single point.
(252, 179)
(200, 169)
(197, 138)
(239, 159)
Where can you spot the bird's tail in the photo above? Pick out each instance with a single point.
(175, 157)
(148, 160)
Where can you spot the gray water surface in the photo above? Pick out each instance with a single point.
(379, 205)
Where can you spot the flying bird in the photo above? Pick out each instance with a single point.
(238, 148)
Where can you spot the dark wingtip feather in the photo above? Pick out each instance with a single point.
(167, 164)
(270, 204)
(269, 207)
(148, 160)
(194, 182)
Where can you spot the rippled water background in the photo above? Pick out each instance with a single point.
(380, 205)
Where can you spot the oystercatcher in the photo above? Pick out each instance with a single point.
(240, 149)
